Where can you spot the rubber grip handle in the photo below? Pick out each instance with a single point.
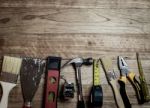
(6, 88)
(52, 89)
(139, 91)
(80, 104)
(117, 95)
(124, 94)
(137, 87)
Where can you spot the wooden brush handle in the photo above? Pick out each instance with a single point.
(117, 95)
(6, 87)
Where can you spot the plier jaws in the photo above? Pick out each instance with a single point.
(123, 66)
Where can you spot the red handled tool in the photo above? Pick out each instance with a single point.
(52, 81)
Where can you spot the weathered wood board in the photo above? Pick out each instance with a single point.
(77, 28)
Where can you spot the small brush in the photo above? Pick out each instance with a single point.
(8, 77)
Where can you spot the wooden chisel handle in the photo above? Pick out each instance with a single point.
(122, 82)
(117, 95)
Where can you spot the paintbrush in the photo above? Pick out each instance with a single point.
(8, 78)
(30, 75)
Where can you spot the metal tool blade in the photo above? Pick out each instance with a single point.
(123, 66)
(30, 76)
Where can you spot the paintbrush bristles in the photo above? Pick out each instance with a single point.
(11, 64)
(107, 63)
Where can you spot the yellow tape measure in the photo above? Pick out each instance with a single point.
(96, 72)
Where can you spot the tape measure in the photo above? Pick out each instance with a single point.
(96, 95)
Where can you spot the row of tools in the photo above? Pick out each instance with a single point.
(31, 71)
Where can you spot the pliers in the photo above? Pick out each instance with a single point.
(131, 76)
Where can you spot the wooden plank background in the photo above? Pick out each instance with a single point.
(76, 28)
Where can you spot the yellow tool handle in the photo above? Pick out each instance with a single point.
(131, 76)
(117, 95)
(96, 73)
(137, 86)
(123, 79)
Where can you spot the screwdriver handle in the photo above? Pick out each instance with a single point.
(144, 85)
(137, 87)
(117, 95)
(122, 82)
(145, 90)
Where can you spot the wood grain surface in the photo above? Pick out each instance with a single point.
(76, 28)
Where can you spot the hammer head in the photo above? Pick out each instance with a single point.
(79, 61)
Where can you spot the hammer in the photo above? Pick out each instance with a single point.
(77, 63)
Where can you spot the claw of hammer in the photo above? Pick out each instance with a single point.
(79, 62)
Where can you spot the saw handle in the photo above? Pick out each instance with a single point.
(117, 95)
(136, 85)
(6, 87)
(122, 82)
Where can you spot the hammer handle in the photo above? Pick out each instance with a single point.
(81, 104)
